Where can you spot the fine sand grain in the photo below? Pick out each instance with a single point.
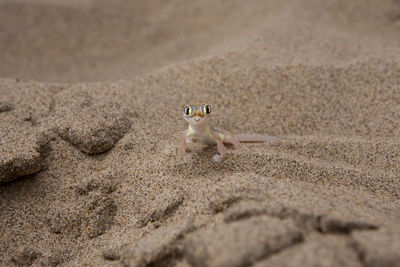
(91, 97)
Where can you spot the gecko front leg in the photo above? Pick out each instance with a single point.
(221, 149)
(183, 146)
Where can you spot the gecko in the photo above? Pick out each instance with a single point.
(200, 130)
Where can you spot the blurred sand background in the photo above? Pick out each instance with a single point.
(91, 97)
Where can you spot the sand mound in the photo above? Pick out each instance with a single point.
(20, 153)
(93, 124)
(89, 172)
(240, 243)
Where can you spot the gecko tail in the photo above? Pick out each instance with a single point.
(256, 138)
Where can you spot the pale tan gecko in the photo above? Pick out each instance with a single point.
(200, 130)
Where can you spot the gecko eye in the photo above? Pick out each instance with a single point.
(207, 109)
(188, 110)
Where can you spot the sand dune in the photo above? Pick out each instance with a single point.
(91, 99)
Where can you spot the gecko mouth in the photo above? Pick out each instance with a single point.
(196, 119)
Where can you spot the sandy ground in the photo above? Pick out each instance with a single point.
(91, 99)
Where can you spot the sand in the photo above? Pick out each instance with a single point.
(91, 98)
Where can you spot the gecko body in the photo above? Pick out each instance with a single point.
(200, 130)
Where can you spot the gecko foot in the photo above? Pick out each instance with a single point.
(185, 157)
(217, 158)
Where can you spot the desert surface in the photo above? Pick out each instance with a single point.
(91, 103)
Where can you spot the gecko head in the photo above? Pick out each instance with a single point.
(197, 115)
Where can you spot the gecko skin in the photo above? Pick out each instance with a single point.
(200, 130)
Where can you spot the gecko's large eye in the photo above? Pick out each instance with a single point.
(188, 110)
(207, 109)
